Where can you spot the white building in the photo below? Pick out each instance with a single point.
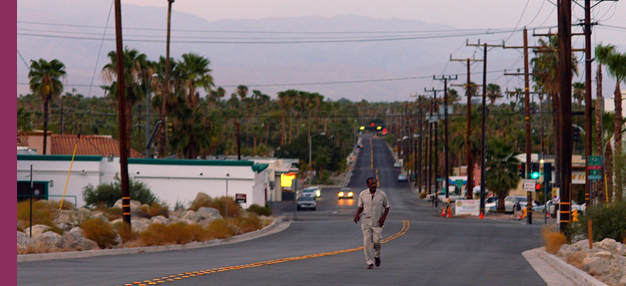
(170, 180)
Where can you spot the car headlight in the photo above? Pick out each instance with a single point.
(341, 194)
(318, 193)
(350, 194)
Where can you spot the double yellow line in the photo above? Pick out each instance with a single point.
(172, 278)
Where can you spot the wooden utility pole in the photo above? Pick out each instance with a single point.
(445, 124)
(565, 80)
(588, 137)
(468, 146)
(161, 144)
(434, 114)
(121, 110)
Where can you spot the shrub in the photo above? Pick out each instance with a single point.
(201, 202)
(248, 223)
(177, 233)
(108, 194)
(42, 213)
(553, 239)
(234, 209)
(219, 228)
(259, 210)
(55, 229)
(125, 231)
(157, 209)
(608, 221)
(113, 213)
(422, 195)
(100, 231)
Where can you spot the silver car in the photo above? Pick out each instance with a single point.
(306, 203)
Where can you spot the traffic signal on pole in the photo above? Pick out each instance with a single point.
(576, 135)
(522, 170)
(534, 173)
(537, 187)
(547, 172)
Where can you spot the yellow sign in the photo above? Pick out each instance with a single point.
(285, 179)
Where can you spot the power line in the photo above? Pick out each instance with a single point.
(19, 54)
(100, 50)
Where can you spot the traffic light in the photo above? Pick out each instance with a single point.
(547, 172)
(522, 170)
(576, 134)
(534, 173)
(537, 187)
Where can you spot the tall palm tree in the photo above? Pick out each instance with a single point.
(493, 92)
(135, 71)
(579, 92)
(616, 66)
(502, 169)
(45, 80)
(195, 72)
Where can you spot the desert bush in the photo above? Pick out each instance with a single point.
(608, 221)
(250, 222)
(42, 213)
(259, 210)
(100, 231)
(157, 209)
(201, 202)
(422, 195)
(55, 229)
(177, 233)
(108, 194)
(125, 231)
(220, 228)
(234, 209)
(553, 238)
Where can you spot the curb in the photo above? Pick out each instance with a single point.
(576, 275)
(279, 224)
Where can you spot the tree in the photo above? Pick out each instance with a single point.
(616, 66)
(502, 169)
(195, 72)
(579, 92)
(45, 80)
(493, 93)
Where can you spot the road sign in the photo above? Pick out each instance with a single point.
(595, 160)
(458, 183)
(240, 198)
(440, 179)
(529, 185)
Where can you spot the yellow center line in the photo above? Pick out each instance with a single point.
(405, 227)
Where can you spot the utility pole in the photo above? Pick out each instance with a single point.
(468, 147)
(121, 109)
(565, 80)
(483, 159)
(588, 111)
(161, 144)
(445, 124)
(435, 135)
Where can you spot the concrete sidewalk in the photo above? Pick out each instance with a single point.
(556, 272)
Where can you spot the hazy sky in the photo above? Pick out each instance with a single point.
(462, 14)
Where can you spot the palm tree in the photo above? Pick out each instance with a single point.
(579, 92)
(502, 169)
(195, 72)
(135, 71)
(616, 65)
(45, 80)
(493, 92)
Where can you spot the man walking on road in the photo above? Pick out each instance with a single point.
(372, 210)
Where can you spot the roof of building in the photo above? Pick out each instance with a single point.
(101, 145)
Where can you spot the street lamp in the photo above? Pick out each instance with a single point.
(148, 121)
(310, 139)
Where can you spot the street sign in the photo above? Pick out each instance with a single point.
(529, 185)
(240, 198)
(440, 179)
(458, 183)
(595, 160)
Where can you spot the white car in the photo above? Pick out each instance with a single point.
(306, 203)
(550, 204)
(313, 192)
(508, 204)
(397, 165)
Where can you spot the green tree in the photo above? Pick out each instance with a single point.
(45, 80)
(105, 195)
(194, 72)
(502, 169)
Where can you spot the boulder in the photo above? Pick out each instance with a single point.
(49, 239)
(160, 219)
(597, 265)
(77, 229)
(208, 213)
(38, 229)
(200, 199)
(190, 215)
(76, 241)
(23, 240)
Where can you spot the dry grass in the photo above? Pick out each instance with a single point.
(125, 231)
(553, 239)
(177, 233)
(100, 231)
(42, 213)
(234, 209)
(248, 223)
(112, 213)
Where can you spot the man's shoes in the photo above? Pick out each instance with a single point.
(370, 266)
(377, 260)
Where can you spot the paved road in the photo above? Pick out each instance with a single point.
(323, 248)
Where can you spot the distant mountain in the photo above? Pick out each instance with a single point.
(255, 65)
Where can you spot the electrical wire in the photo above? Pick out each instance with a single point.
(100, 50)
(20, 54)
